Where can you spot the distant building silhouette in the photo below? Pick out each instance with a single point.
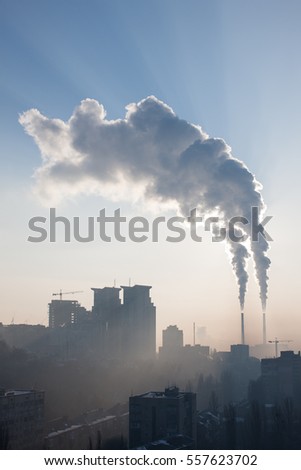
(240, 352)
(30, 337)
(281, 378)
(201, 334)
(107, 319)
(21, 419)
(120, 327)
(195, 352)
(172, 343)
(262, 351)
(173, 349)
(161, 415)
(139, 314)
(65, 313)
(238, 368)
(126, 330)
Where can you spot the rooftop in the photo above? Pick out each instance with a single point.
(170, 392)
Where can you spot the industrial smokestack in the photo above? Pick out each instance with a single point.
(193, 333)
(242, 328)
(264, 328)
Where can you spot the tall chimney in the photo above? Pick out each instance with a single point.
(264, 328)
(242, 328)
(193, 334)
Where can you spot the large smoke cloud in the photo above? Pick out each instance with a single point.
(151, 148)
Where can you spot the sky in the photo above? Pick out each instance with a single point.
(232, 67)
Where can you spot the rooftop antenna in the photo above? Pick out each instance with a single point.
(130, 282)
(114, 282)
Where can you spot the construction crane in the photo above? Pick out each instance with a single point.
(66, 293)
(276, 341)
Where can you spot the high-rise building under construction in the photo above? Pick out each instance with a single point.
(126, 329)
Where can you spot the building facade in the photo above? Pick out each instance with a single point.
(125, 329)
(65, 313)
(21, 419)
(172, 343)
(139, 323)
(160, 415)
(281, 378)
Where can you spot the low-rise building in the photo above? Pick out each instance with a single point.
(281, 378)
(21, 419)
(160, 415)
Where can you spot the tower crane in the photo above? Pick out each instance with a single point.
(66, 293)
(276, 341)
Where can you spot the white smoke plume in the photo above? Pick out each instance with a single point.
(167, 157)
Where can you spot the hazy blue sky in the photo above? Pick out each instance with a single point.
(232, 67)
